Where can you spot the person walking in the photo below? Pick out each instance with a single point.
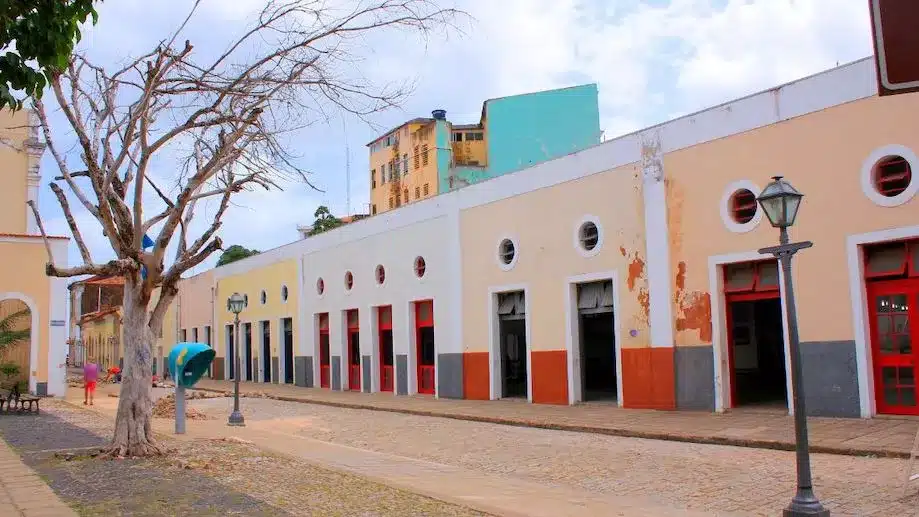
(90, 377)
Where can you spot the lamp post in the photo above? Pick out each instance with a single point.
(780, 202)
(235, 304)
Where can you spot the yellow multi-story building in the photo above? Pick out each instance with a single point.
(403, 165)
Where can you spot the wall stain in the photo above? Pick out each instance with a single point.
(694, 308)
(636, 268)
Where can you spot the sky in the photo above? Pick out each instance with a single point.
(653, 60)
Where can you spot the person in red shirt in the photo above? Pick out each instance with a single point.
(90, 377)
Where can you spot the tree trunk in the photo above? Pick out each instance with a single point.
(133, 424)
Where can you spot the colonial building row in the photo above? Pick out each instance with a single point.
(626, 271)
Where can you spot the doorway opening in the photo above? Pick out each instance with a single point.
(384, 316)
(325, 369)
(892, 278)
(597, 340)
(266, 351)
(512, 337)
(247, 337)
(287, 328)
(231, 353)
(755, 332)
(354, 350)
(424, 340)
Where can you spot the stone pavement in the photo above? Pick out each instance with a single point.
(887, 437)
(22, 492)
(489, 493)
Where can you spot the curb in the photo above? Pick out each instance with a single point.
(620, 432)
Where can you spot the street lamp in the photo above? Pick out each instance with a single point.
(235, 304)
(780, 202)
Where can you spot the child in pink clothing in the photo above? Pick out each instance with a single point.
(90, 377)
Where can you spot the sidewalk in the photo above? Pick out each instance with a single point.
(22, 492)
(885, 437)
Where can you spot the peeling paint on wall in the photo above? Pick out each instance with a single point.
(638, 279)
(693, 308)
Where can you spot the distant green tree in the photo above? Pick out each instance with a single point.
(37, 38)
(234, 253)
(325, 221)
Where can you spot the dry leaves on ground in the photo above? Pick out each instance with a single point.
(166, 408)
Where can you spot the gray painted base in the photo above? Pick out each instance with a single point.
(401, 374)
(336, 372)
(694, 372)
(303, 371)
(255, 371)
(365, 374)
(450, 376)
(41, 389)
(830, 378)
(275, 369)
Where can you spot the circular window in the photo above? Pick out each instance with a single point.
(284, 293)
(743, 206)
(349, 281)
(264, 297)
(887, 175)
(589, 235)
(892, 176)
(320, 286)
(740, 211)
(380, 274)
(420, 267)
(507, 254)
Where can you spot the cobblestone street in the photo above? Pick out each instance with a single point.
(707, 478)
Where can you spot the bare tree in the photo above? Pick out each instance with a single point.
(220, 123)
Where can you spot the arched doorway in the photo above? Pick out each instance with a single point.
(16, 339)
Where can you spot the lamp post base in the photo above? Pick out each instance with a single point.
(808, 507)
(236, 419)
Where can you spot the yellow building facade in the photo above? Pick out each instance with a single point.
(403, 166)
(23, 257)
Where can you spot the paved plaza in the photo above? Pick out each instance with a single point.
(296, 458)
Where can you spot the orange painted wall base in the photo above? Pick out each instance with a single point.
(550, 376)
(647, 378)
(475, 376)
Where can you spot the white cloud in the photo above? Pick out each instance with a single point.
(652, 59)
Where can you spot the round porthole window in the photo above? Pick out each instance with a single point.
(892, 175)
(420, 267)
(264, 297)
(740, 211)
(380, 274)
(349, 281)
(743, 206)
(589, 235)
(887, 175)
(284, 293)
(320, 286)
(507, 254)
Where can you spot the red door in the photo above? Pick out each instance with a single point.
(386, 348)
(354, 351)
(424, 340)
(892, 305)
(745, 282)
(325, 369)
(892, 274)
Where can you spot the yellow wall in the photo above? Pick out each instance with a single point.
(821, 154)
(103, 340)
(32, 282)
(270, 279)
(14, 164)
(411, 136)
(195, 304)
(547, 256)
(468, 151)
